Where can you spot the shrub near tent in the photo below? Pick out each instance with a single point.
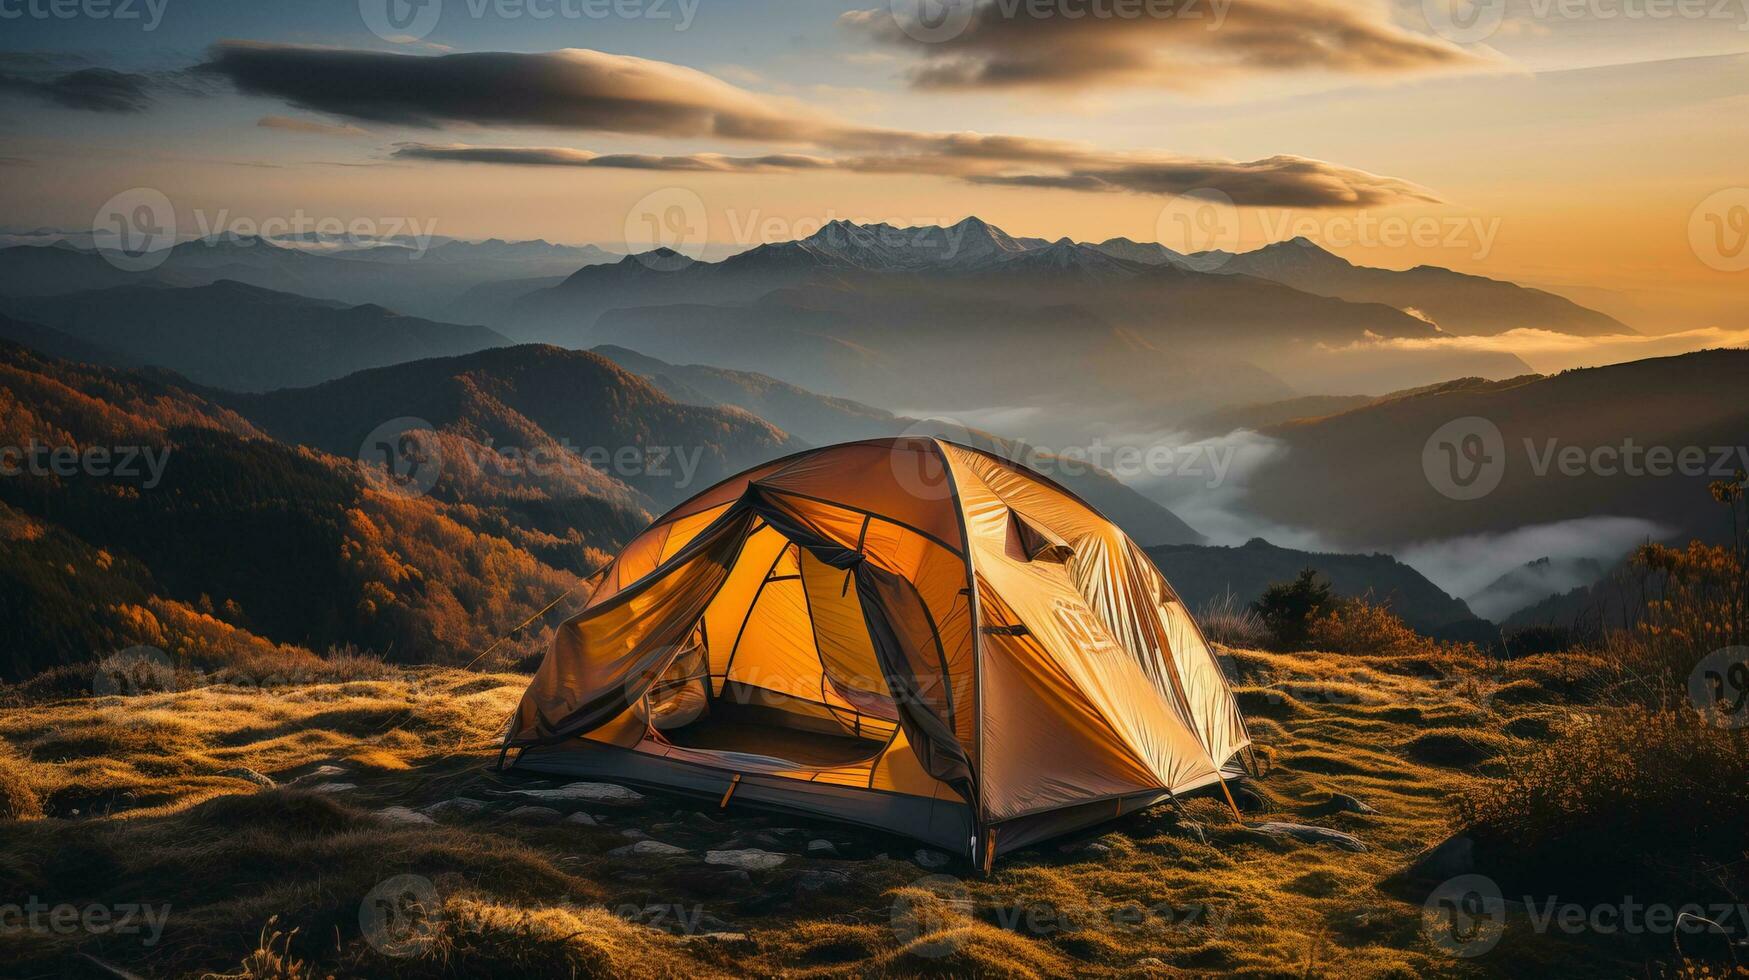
(906, 634)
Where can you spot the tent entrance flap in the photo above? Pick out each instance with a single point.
(780, 666)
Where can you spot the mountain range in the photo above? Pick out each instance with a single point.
(397, 276)
(887, 316)
(891, 317)
(1459, 303)
(1640, 439)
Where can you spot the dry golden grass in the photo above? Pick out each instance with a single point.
(269, 883)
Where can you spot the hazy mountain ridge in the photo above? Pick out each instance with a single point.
(400, 278)
(532, 398)
(824, 420)
(1203, 574)
(247, 338)
(1362, 475)
(1459, 302)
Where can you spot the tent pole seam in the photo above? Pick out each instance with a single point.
(979, 815)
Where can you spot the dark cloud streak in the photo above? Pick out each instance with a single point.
(88, 90)
(1181, 44)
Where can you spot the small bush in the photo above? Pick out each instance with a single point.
(1288, 608)
(1231, 623)
(1529, 641)
(1359, 626)
(1669, 782)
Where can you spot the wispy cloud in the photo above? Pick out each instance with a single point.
(591, 91)
(1548, 350)
(314, 127)
(1281, 181)
(550, 156)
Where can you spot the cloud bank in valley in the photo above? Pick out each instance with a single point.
(1549, 351)
(597, 92)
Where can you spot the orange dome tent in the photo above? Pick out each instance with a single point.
(905, 634)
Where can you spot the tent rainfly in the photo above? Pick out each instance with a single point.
(904, 634)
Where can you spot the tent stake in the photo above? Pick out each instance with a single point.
(730, 791)
(990, 849)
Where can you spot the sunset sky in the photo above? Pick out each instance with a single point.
(1572, 145)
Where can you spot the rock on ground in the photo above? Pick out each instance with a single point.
(401, 814)
(333, 787)
(584, 792)
(583, 819)
(537, 813)
(930, 859)
(1343, 803)
(817, 881)
(1311, 835)
(647, 848)
(250, 775)
(748, 859)
(461, 806)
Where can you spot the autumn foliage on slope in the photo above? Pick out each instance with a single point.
(238, 541)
